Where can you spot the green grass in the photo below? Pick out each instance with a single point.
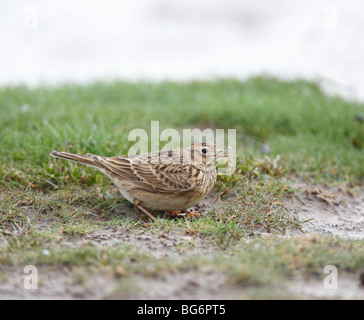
(314, 133)
(47, 203)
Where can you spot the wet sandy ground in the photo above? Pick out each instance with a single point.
(332, 210)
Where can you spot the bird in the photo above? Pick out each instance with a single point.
(167, 180)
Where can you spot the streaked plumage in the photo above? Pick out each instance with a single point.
(167, 180)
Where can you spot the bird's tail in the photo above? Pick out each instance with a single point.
(88, 160)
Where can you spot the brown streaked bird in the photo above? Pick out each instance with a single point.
(168, 180)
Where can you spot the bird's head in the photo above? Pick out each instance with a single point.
(205, 153)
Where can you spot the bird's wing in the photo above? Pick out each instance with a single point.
(162, 177)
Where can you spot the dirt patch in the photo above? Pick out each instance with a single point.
(190, 285)
(331, 210)
(53, 283)
(347, 288)
(159, 244)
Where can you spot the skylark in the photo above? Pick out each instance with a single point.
(168, 180)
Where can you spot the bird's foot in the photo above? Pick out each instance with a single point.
(193, 213)
(175, 212)
(186, 213)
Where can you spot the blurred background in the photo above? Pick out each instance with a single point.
(48, 42)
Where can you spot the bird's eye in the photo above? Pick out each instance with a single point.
(204, 151)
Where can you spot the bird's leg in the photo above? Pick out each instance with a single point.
(138, 206)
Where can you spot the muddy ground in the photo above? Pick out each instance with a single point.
(332, 210)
